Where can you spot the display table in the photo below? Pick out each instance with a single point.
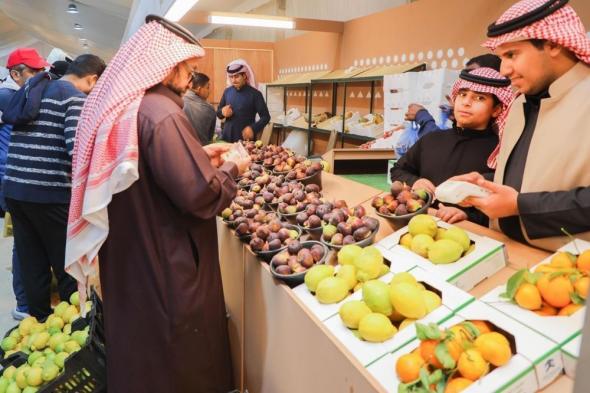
(279, 346)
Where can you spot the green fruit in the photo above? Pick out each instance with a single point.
(8, 343)
(75, 298)
(67, 328)
(56, 322)
(459, 235)
(348, 274)
(20, 377)
(376, 328)
(439, 233)
(431, 300)
(403, 277)
(376, 297)
(70, 314)
(30, 389)
(38, 328)
(368, 264)
(316, 274)
(25, 325)
(8, 372)
(13, 388)
(406, 241)
(407, 300)
(50, 371)
(60, 359)
(80, 337)
(56, 339)
(40, 341)
(226, 213)
(348, 254)
(422, 224)
(384, 270)
(4, 382)
(331, 290)
(15, 334)
(352, 312)
(34, 356)
(34, 377)
(444, 251)
(71, 346)
(60, 308)
(420, 244)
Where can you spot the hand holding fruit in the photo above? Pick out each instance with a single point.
(424, 184)
(226, 111)
(502, 202)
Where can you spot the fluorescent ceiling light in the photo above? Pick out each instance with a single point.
(277, 23)
(179, 8)
(72, 9)
(78, 26)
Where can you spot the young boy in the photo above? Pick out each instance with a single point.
(481, 98)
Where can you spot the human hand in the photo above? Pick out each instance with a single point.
(471, 177)
(243, 163)
(412, 111)
(214, 151)
(226, 111)
(450, 214)
(502, 202)
(424, 184)
(247, 133)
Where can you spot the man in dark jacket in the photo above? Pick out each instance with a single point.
(240, 104)
(200, 113)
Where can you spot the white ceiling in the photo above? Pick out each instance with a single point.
(45, 24)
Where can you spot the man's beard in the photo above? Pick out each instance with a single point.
(176, 89)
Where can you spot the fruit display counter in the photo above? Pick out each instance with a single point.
(279, 344)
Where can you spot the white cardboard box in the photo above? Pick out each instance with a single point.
(560, 330)
(365, 352)
(537, 361)
(570, 352)
(488, 257)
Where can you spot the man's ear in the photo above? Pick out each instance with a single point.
(553, 49)
(497, 110)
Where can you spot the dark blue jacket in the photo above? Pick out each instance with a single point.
(245, 104)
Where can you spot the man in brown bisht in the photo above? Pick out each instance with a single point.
(144, 198)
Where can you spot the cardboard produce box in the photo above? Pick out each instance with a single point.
(570, 352)
(536, 361)
(559, 329)
(365, 352)
(488, 257)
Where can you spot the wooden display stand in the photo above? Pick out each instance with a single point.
(279, 346)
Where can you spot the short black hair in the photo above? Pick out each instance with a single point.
(85, 65)
(199, 80)
(537, 43)
(488, 60)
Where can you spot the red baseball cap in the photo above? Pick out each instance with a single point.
(27, 56)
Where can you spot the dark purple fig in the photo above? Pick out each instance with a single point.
(337, 239)
(283, 270)
(304, 258)
(370, 222)
(396, 187)
(294, 247)
(361, 234)
(283, 234)
(275, 244)
(348, 240)
(314, 222)
(257, 244)
(344, 228)
(317, 252)
(280, 259)
(262, 232)
(242, 229)
(301, 218)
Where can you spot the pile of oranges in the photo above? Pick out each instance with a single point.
(558, 288)
(450, 360)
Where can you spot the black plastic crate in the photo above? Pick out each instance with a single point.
(84, 371)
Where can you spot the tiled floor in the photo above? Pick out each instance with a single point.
(7, 301)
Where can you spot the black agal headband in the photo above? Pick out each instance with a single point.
(482, 80)
(237, 69)
(495, 30)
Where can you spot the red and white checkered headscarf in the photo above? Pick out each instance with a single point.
(563, 27)
(504, 94)
(106, 152)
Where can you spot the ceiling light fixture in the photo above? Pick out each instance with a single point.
(257, 21)
(78, 26)
(179, 8)
(72, 9)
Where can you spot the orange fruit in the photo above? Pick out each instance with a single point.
(528, 296)
(494, 348)
(546, 310)
(408, 367)
(461, 334)
(555, 292)
(455, 349)
(583, 262)
(482, 326)
(569, 310)
(457, 385)
(581, 286)
(427, 352)
(563, 260)
(545, 269)
(472, 365)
